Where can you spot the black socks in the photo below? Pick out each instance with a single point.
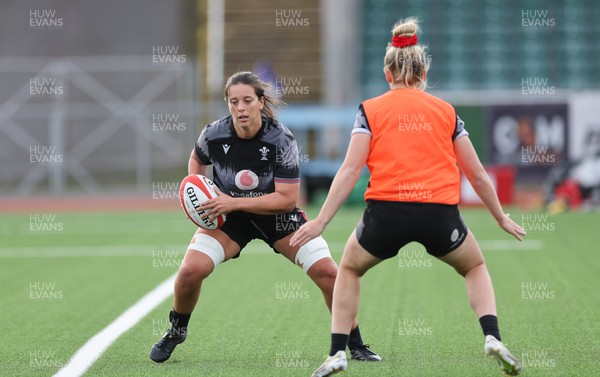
(179, 322)
(355, 338)
(338, 343)
(489, 325)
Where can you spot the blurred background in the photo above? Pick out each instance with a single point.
(106, 98)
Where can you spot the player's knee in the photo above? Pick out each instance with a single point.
(192, 274)
(207, 254)
(324, 270)
(312, 252)
(352, 269)
(464, 270)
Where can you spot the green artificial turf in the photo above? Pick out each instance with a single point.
(259, 315)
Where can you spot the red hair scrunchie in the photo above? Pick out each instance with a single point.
(404, 41)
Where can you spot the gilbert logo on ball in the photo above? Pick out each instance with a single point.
(195, 190)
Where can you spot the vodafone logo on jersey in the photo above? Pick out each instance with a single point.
(246, 180)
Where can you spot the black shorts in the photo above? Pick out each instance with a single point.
(243, 227)
(387, 226)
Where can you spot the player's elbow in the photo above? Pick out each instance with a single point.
(283, 203)
(479, 180)
(288, 205)
(350, 171)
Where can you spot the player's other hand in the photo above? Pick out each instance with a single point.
(511, 227)
(221, 205)
(307, 232)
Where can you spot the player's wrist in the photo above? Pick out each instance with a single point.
(497, 217)
(321, 221)
(238, 204)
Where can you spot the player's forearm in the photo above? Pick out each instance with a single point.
(342, 185)
(269, 204)
(485, 189)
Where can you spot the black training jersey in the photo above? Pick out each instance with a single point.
(249, 167)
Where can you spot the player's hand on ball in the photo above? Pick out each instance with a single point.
(221, 205)
(512, 227)
(307, 232)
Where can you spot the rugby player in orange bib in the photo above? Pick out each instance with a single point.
(413, 144)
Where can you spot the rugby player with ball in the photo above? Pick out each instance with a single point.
(256, 185)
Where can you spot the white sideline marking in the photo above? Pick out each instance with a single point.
(258, 248)
(105, 251)
(84, 251)
(91, 351)
(495, 245)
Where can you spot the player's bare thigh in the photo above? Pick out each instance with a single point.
(283, 247)
(356, 258)
(466, 256)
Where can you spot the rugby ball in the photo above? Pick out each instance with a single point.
(195, 190)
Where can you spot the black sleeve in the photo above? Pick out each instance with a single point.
(202, 147)
(361, 124)
(459, 129)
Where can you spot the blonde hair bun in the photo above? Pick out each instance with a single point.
(406, 28)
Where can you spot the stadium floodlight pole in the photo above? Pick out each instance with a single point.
(215, 47)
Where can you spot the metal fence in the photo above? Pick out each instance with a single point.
(90, 123)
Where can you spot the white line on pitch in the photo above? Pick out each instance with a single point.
(91, 351)
(252, 248)
(494, 245)
(83, 251)
(110, 251)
